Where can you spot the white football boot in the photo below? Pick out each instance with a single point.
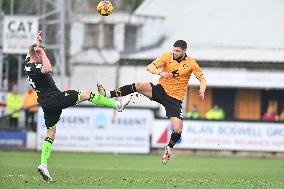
(101, 89)
(167, 155)
(124, 102)
(44, 173)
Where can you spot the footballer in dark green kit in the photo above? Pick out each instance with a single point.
(38, 70)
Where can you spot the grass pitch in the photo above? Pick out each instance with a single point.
(91, 170)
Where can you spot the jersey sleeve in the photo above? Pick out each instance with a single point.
(197, 71)
(161, 61)
(199, 75)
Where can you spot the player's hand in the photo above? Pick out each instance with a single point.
(39, 37)
(201, 93)
(38, 49)
(165, 74)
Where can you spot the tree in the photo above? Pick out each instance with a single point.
(6, 6)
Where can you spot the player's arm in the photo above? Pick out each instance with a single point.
(46, 65)
(47, 68)
(202, 82)
(156, 64)
(39, 38)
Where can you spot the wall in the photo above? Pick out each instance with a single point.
(76, 37)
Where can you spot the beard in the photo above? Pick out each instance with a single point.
(178, 58)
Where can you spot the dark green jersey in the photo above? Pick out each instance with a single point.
(42, 83)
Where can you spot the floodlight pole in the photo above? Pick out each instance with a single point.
(1, 51)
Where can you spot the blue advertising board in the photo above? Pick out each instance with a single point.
(12, 139)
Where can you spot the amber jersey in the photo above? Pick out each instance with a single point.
(176, 85)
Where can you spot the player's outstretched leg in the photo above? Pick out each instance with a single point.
(45, 154)
(121, 91)
(100, 100)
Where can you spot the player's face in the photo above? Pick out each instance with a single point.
(37, 58)
(178, 53)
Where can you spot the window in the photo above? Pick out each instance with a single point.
(94, 33)
(225, 99)
(272, 99)
(130, 37)
(108, 36)
(91, 36)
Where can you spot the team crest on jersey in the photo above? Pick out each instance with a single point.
(185, 66)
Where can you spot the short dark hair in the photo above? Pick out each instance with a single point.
(180, 43)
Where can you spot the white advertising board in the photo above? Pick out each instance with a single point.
(100, 130)
(19, 33)
(243, 136)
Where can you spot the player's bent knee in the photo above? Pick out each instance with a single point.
(138, 86)
(142, 86)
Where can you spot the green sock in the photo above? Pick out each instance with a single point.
(100, 100)
(46, 150)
